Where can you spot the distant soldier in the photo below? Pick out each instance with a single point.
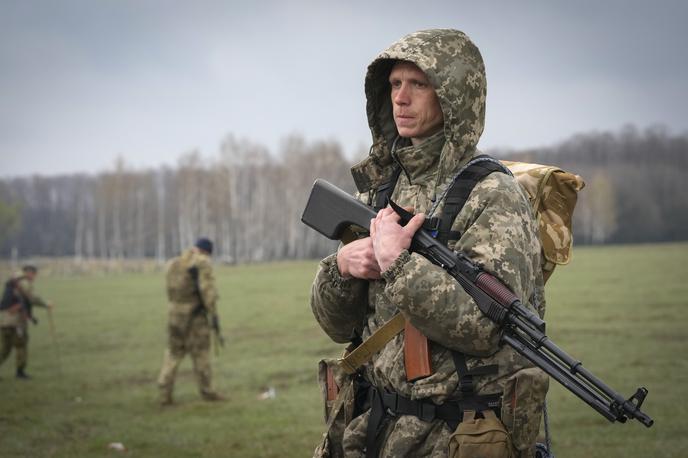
(192, 296)
(18, 300)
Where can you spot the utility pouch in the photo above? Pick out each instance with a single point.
(337, 390)
(480, 437)
(522, 402)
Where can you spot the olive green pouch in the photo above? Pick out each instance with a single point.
(480, 437)
(522, 402)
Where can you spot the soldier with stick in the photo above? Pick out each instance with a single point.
(18, 300)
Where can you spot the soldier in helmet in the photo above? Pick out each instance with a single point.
(426, 109)
(192, 303)
(18, 300)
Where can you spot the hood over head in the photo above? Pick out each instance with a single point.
(455, 69)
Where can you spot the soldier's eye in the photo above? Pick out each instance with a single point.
(395, 83)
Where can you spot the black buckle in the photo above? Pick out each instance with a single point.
(426, 411)
(432, 224)
(466, 384)
(391, 402)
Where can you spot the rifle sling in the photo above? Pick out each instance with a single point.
(362, 354)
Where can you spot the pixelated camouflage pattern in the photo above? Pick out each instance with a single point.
(522, 405)
(498, 230)
(188, 333)
(338, 412)
(553, 194)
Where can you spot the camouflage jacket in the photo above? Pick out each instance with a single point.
(182, 292)
(15, 315)
(497, 230)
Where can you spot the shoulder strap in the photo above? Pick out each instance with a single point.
(459, 190)
(385, 190)
(456, 196)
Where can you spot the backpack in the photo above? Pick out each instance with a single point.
(553, 194)
(10, 296)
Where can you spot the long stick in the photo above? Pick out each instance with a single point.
(53, 336)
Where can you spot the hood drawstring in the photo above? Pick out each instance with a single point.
(396, 159)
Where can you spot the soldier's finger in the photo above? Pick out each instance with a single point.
(391, 215)
(372, 227)
(415, 223)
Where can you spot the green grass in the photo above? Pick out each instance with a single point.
(622, 310)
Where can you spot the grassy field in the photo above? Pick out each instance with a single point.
(622, 310)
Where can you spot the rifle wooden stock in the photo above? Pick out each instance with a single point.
(416, 354)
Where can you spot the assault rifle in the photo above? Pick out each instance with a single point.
(332, 211)
(200, 308)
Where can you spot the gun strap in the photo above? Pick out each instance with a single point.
(362, 354)
(385, 190)
(460, 189)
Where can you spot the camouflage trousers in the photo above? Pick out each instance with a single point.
(17, 337)
(192, 337)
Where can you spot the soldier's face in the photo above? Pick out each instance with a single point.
(417, 111)
(30, 275)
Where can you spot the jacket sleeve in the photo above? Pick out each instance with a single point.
(26, 289)
(339, 304)
(206, 284)
(499, 233)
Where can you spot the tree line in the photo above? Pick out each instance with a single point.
(249, 201)
(635, 183)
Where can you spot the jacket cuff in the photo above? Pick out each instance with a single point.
(397, 267)
(332, 271)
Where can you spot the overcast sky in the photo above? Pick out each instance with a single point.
(84, 81)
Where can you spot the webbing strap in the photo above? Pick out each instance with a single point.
(384, 404)
(364, 352)
(466, 385)
(460, 190)
(385, 190)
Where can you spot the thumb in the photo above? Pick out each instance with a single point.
(415, 223)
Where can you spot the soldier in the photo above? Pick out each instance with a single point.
(192, 296)
(18, 300)
(426, 108)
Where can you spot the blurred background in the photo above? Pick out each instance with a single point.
(129, 128)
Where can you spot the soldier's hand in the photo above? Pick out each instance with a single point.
(357, 259)
(50, 305)
(389, 237)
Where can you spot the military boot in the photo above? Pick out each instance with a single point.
(166, 399)
(21, 374)
(212, 396)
